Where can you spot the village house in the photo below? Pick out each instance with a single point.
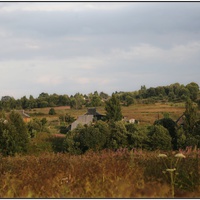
(25, 116)
(89, 117)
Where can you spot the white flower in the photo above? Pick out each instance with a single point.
(170, 170)
(162, 155)
(179, 155)
(5, 121)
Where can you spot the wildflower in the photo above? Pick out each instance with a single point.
(162, 155)
(179, 155)
(170, 170)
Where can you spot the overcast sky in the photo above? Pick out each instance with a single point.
(66, 48)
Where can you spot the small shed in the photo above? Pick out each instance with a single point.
(132, 121)
(25, 116)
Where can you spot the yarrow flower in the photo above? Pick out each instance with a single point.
(179, 155)
(162, 155)
(171, 170)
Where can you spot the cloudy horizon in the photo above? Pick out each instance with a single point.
(65, 48)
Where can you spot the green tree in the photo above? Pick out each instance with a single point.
(118, 135)
(63, 100)
(92, 138)
(170, 125)
(198, 103)
(129, 100)
(190, 116)
(181, 138)
(143, 91)
(95, 100)
(77, 101)
(32, 102)
(83, 138)
(160, 138)
(52, 111)
(14, 135)
(36, 126)
(103, 95)
(113, 109)
(193, 89)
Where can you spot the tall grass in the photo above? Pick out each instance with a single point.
(107, 174)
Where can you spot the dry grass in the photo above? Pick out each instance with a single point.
(145, 113)
(148, 113)
(108, 174)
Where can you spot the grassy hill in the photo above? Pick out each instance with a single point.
(145, 113)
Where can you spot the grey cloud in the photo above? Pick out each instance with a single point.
(123, 48)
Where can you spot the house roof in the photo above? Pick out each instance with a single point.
(86, 118)
(92, 111)
(24, 115)
(83, 119)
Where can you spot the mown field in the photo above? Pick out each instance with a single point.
(42, 173)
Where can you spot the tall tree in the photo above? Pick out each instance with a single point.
(171, 126)
(190, 116)
(160, 138)
(13, 135)
(194, 89)
(113, 109)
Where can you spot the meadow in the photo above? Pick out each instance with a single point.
(107, 174)
(144, 113)
(43, 173)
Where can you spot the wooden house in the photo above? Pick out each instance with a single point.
(25, 116)
(89, 117)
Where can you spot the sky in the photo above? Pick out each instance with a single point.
(65, 48)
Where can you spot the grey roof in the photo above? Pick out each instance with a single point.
(24, 115)
(83, 119)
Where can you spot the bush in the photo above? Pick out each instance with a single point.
(52, 111)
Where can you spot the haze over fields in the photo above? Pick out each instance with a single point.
(66, 47)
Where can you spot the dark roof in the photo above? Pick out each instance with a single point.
(92, 111)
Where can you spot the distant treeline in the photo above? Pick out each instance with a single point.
(175, 92)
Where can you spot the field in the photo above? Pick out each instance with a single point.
(106, 174)
(145, 113)
(120, 174)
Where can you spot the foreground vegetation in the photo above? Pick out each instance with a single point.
(107, 174)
